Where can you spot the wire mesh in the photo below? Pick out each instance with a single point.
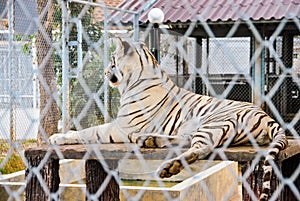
(53, 55)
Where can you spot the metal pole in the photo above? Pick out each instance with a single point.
(136, 27)
(35, 73)
(258, 73)
(12, 104)
(107, 103)
(79, 47)
(65, 68)
(155, 42)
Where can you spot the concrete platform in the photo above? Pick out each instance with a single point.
(206, 180)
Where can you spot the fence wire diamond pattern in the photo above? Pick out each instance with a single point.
(52, 80)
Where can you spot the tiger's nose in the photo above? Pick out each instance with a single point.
(107, 73)
(109, 69)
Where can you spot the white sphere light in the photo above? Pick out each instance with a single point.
(156, 15)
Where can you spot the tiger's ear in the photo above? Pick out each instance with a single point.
(120, 47)
(116, 46)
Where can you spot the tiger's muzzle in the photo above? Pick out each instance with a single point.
(111, 76)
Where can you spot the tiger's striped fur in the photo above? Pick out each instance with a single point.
(154, 112)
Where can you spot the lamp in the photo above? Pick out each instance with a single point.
(155, 16)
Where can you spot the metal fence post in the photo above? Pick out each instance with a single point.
(65, 68)
(107, 101)
(136, 27)
(12, 103)
(258, 73)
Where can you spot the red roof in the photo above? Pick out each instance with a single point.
(213, 10)
(99, 12)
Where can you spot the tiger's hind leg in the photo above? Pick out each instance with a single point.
(208, 136)
(202, 144)
(175, 165)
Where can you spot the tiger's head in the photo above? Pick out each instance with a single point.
(129, 62)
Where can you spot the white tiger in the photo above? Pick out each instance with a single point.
(154, 112)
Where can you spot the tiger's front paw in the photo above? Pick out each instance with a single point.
(154, 140)
(61, 139)
(146, 141)
(58, 139)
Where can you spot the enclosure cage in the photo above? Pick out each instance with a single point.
(53, 55)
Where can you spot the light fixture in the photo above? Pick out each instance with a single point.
(155, 17)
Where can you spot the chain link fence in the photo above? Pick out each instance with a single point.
(53, 55)
(19, 91)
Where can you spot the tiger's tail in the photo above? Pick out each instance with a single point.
(279, 142)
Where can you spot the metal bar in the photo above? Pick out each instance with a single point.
(105, 83)
(258, 79)
(136, 27)
(147, 6)
(79, 47)
(11, 73)
(35, 74)
(103, 6)
(65, 68)
(77, 43)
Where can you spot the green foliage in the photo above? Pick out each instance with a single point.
(4, 147)
(91, 30)
(92, 70)
(90, 77)
(26, 42)
(29, 142)
(14, 164)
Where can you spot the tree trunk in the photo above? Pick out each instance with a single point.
(47, 82)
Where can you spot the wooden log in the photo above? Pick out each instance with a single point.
(44, 182)
(99, 183)
(119, 151)
(48, 181)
